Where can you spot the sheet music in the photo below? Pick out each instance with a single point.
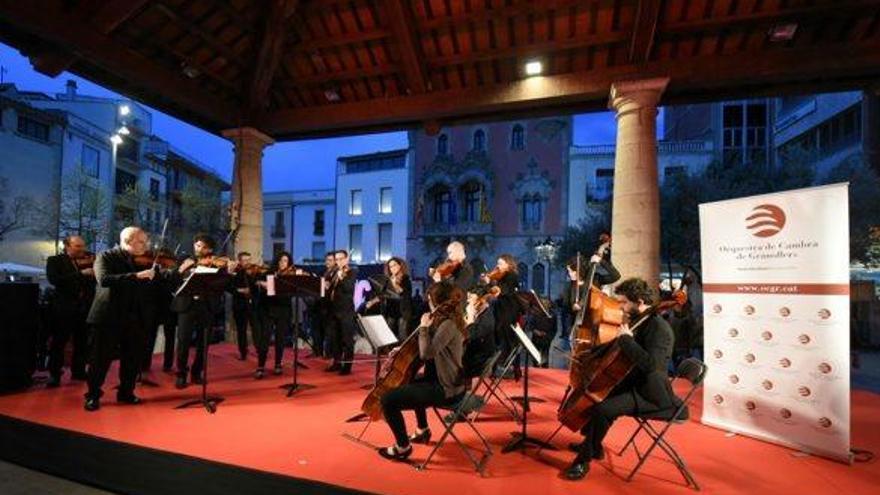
(206, 269)
(270, 285)
(377, 330)
(540, 303)
(527, 342)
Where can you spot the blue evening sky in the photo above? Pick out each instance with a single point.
(286, 166)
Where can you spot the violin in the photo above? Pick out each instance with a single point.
(212, 261)
(257, 270)
(482, 302)
(164, 259)
(85, 260)
(496, 274)
(445, 269)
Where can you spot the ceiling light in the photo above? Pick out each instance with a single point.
(534, 68)
(332, 95)
(782, 32)
(124, 110)
(189, 71)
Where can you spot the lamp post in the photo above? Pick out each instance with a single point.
(546, 251)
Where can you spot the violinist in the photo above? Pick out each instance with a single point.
(243, 302)
(441, 346)
(275, 315)
(342, 314)
(646, 390)
(320, 309)
(395, 295)
(505, 276)
(195, 314)
(454, 269)
(72, 275)
(480, 321)
(118, 312)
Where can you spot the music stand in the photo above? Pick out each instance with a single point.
(297, 287)
(378, 335)
(521, 439)
(532, 303)
(204, 283)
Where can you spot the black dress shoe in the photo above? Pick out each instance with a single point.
(576, 448)
(130, 399)
(278, 369)
(54, 382)
(333, 367)
(393, 454)
(577, 470)
(92, 404)
(423, 437)
(259, 374)
(180, 382)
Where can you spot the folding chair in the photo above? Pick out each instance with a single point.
(693, 371)
(494, 390)
(459, 411)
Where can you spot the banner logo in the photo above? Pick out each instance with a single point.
(766, 220)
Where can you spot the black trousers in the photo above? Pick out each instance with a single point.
(275, 322)
(624, 403)
(342, 332)
(67, 324)
(192, 325)
(169, 331)
(241, 315)
(416, 396)
(126, 336)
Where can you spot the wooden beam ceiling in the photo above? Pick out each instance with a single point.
(644, 30)
(401, 21)
(268, 56)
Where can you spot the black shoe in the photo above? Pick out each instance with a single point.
(259, 374)
(423, 437)
(180, 382)
(393, 454)
(129, 399)
(576, 448)
(278, 370)
(577, 470)
(54, 382)
(333, 367)
(92, 404)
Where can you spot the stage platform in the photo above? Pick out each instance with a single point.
(260, 441)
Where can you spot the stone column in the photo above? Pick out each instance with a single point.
(635, 222)
(247, 188)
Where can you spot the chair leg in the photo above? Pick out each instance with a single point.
(659, 440)
(631, 437)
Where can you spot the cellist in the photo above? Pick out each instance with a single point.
(441, 346)
(645, 390)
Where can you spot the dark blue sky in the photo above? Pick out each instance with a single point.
(292, 165)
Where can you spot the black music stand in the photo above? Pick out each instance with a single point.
(204, 285)
(532, 303)
(379, 336)
(297, 287)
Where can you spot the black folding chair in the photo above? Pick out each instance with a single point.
(693, 371)
(459, 413)
(492, 383)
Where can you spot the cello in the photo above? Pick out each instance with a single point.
(597, 370)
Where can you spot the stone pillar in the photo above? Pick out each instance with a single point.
(635, 222)
(247, 188)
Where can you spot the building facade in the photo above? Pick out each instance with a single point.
(300, 223)
(497, 187)
(372, 198)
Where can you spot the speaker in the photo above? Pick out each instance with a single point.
(19, 324)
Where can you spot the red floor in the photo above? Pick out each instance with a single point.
(257, 427)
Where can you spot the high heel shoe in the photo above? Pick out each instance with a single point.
(393, 454)
(259, 373)
(423, 437)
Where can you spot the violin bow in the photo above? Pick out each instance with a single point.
(161, 243)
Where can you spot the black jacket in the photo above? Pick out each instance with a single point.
(119, 294)
(507, 306)
(342, 294)
(651, 350)
(480, 344)
(73, 290)
(462, 277)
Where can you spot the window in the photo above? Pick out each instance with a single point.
(472, 199)
(517, 138)
(277, 249)
(385, 200)
(125, 181)
(479, 140)
(91, 161)
(523, 275)
(318, 250)
(443, 144)
(604, 185)
(385, 230)
(33, 129)
(538, 278)
(278, 226)
(318, 226)
(154, 189)
(355, 205)
(531, 212)
(355, 242)
(442, 213)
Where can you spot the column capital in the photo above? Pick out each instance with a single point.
(247, 135)
(641, 92)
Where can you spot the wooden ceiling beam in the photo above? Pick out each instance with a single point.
(325, 78)
(400, 18)
(500, 14)
(193, 28)
(644, 30)
(104, 52)
(309, 46)
(268, 55)
(106, 19)
(569, 93)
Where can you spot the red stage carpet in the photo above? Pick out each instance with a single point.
(258, 428)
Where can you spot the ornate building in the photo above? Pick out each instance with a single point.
(497, 187)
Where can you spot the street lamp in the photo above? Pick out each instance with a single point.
(546, 251)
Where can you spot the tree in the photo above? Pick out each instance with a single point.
(200, 211)
(15, 211)
(584, 237)
(864, 208)
(80, 206)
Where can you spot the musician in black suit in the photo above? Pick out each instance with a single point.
(645, 390)
(119, 310)
(394, 295)
(507, 307)
(342, 314)
(195, 314)
(276, 312)
(574, 297)
(462, 275)
(243, 303)
(320, 311)
(74, 290)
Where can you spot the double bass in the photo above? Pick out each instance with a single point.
(596, 370)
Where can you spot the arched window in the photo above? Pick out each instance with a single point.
(472, 193)
(479, 140)
(538, 278)
(523, 275)
(517, 138)
(443, 144)
(532, 214)
(441, 198)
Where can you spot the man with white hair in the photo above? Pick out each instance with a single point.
(454, 270)
(121, 306)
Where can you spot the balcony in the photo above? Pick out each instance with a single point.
(461, 228)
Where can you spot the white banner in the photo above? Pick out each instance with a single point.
(776, 318)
